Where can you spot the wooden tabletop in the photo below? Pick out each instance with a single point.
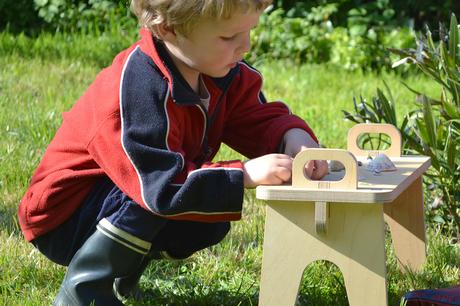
(383, 187)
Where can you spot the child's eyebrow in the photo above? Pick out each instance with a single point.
(240, 32)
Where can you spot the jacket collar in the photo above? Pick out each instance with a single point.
(181, 92)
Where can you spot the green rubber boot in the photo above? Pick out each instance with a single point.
(128, 287)
(109, 253)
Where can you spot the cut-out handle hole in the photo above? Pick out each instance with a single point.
(347, 180)
(373, 141)
(336, 171)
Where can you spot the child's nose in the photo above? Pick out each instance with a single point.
(245, 44)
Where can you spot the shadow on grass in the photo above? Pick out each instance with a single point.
(163, 284)
(159, 298)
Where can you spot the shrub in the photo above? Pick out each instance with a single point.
(298, 39)
(19, 15)
(312, 32)
(312, 37)
(68, 15)
(432, 129)
(415, 13)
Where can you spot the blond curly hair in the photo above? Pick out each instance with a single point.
(183, 14)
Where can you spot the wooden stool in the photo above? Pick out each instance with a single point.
(342, 221)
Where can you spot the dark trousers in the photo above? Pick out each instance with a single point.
(179, 239)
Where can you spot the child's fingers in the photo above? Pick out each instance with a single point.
(320, 169)
(280, 156)
(310, 168)
(316, 169)
(283, 173)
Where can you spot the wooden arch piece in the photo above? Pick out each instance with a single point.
(379, 128)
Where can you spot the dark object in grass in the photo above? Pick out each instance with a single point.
(433, 297)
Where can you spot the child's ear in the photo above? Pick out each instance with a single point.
(166, 33)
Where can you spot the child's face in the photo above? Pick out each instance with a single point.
(214, 46)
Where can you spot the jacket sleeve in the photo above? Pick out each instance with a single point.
(255, 127)
(133, 148)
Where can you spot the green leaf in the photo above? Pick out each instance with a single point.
(411, 89)
(429, 39)
(453, 38)
(440, 132)
(414, 144)
(450, 150)
(422, 132)
(389, 92)
(438, 219)
(371, 114)
(388, 109)
(430, 122)
(352, 118)
(449, 67)
(446, 60)
(454, 90)
(448, 107)
(40, 3)
(429, 71)
(403, 53)
(402, 61)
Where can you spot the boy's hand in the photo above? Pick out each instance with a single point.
(271, 169)
(296, 140)
(316, 169)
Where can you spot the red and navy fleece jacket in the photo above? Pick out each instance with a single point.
(140, 124)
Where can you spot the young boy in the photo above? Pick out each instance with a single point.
(129, 175)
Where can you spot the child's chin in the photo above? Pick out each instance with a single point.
(221, 73)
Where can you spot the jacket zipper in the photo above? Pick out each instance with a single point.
(206, 151)
(204, 139)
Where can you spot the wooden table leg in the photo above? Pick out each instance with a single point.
(355, 242)
(284, 255)
(405, 217)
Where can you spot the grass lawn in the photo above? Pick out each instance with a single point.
(37, 86)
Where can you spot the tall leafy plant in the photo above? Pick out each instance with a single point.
(433, 127)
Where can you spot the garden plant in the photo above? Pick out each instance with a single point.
(432, 128)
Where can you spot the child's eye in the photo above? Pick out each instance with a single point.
(229, 38)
